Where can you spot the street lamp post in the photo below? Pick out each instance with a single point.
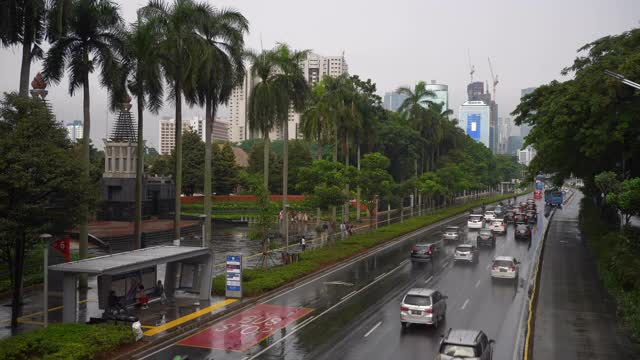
(45, 301)
(202, 220)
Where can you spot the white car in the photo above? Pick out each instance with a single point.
(497, 226)
(466, 253)
(504, 267)
(489, 215)
(475, 221)
(451, 233)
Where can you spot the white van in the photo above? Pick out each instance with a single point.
(475, 221)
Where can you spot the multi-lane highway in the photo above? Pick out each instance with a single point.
(352, 312)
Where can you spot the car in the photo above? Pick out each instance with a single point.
(475, 221)
(498, 226)
(531, 201)
(425, 251)
(504, 267)
(537, 194)
(466, 253)
(498, 211)
(508, 216)
(451, 233)
(486, 238)
(423, 306)
(465, 344)
(489, 215)
(522, 231)
(531, 207)
(532, 217)
(520, 218)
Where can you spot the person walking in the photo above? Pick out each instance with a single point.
(143, 300)
(325, 232)
(303, 243)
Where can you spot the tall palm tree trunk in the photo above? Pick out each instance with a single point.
(86, 162)
(208, 171)
(137, 244)
(25, 67)
(345, 213)
(285, 184)
(358, 189)
(333, 208)
(319, 157)
(265, 164)
(178, 164)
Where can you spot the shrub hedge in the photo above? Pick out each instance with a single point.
(617, 254)
(65, 341)
(258, 281)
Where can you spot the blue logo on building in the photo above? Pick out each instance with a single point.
(473, 126)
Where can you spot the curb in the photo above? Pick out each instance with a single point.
(147, 347)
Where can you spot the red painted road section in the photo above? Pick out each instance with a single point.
(246, 329)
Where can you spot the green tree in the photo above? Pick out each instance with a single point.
(142, 72)
(219, 71)
(226, 172)
(180, 48)
(23, 24)
(42, 188)
(193, 160)
(299, 156)
(429, 184)
(265, 220)
(374, 180)
(256, 165)
(627, 200)
(161, 165)
(323, 184)
(607, 182)
(90, 40)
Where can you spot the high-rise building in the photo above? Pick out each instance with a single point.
(526, 155)
(442, 93)
(479, 116)
(167, 138)
(504, 124)
(74, 130)
(220, 130)
(393, 100)
(514, 145)
(314, 67)
(525, 128)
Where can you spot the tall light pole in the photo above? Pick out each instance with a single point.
(45, 301)
(622, 79)
(203, 219)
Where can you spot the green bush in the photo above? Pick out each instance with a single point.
(617, 255)
(65, 341)
(257, 281)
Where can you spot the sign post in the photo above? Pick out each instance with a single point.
(233, 283)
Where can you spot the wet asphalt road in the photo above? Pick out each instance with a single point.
(353, 311)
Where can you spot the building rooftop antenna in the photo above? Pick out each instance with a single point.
(472, 69)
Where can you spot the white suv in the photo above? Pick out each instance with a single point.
(474, 221)
(504, 267)
(489, 215)
(497, 226)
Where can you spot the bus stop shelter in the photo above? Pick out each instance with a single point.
(123, 271)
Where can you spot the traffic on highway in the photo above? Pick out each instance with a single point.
(453, 290)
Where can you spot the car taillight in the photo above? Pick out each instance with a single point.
(404, 308)
(512, 268)
(429, 311)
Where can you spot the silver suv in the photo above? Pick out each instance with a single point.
(451, 233)
(423, 306)
(465, 344)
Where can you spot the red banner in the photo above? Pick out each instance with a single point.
(62, 246)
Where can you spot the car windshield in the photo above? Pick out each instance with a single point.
(451, 229)
(475, 217)
(503, 263)
(459, 351)
(485, 232)
(422, 246)
(463, 248)
(417, 300)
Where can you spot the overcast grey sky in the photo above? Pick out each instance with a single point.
(398, 43)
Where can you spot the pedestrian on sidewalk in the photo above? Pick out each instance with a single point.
(325, 232)
(143, 300)
(303, 243)
(160, 292)
(350, 229)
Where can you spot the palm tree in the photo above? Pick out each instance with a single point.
(267, 102)
(220, 70)
(23, 23)
(296, 91)
(90, 39)
(142, 69)
(179, 50)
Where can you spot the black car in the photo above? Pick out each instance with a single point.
(532, 217)
(508, 216)
(486, 238)
(424, 251)
(522, 232)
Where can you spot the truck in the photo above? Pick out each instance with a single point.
(539, 182)
(554, 197)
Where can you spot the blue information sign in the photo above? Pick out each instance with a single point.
(234, 276)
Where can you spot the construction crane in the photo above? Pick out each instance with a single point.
(494, 79)
(472, 69)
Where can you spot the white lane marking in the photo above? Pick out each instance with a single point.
(372, 329)
(445, 264)
(245, 358)
(465, 304)
(293, 331)
(348, 295)
(428, 279)
(478, 283)
(379, 276)
(299, 325)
